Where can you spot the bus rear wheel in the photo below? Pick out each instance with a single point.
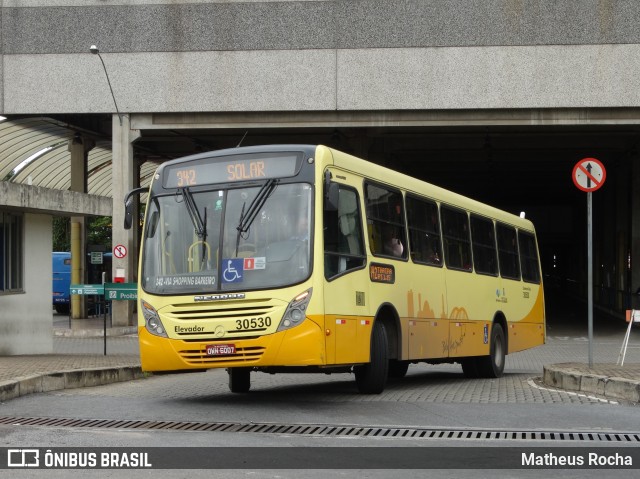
(239, 380)
(372, 377)
(492, 366)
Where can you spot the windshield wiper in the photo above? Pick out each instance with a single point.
(199, 225)
(247, 218)
(204, 240)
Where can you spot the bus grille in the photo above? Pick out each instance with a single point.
(194, 313)
(249, 354)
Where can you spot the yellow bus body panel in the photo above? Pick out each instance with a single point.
(348, 339)
(442, 314)
(303, 345)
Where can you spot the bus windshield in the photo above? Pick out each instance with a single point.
(218, 240)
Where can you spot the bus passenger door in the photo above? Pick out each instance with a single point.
(346, 287)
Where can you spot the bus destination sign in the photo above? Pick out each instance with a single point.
(382, 273)
(238, 168)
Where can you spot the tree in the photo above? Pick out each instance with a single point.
(61, 233)
(98, 232)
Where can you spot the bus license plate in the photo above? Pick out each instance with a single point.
(221, 349)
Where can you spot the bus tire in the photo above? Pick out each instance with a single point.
(398, 369)
(239, 380)
(372, 377)
(492, 366)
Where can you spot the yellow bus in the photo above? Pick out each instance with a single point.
(303, 258)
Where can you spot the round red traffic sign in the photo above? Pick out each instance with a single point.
(120, 251)
(589, 174)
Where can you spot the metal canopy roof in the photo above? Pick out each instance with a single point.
(35, 151)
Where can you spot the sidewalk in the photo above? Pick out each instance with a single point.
(79, 360)
(88, 328)
(608, 380)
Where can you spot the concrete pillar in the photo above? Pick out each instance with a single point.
(125, 177)
(78, 152)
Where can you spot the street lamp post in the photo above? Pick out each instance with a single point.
(94, 49)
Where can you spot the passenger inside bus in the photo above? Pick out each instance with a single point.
(392, 245)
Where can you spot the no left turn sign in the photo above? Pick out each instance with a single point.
(589, 174)
(120, 251)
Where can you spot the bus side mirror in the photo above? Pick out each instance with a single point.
(128, 206)
(332, 194)
(128, 214)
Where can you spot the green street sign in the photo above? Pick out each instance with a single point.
(121, 291)
(87, 289)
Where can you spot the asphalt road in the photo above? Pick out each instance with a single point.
(305, 416)
(433, 406)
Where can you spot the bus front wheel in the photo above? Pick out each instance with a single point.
(372, 377)
(239, 380)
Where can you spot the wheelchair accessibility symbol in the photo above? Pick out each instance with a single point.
(233, 270)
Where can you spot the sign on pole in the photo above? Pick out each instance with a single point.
(87, 289)
(589, 175)
(121, 291)
(96, 257)
(120, 251)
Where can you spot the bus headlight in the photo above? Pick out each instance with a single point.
(296, 311)
(152, 320)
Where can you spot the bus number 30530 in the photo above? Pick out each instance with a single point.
(253, 323)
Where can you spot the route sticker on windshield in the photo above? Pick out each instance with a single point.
(183, 280)
(233, 270)
(259, 262)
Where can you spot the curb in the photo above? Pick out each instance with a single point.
(573, 379)
(77, 378)
(95, 333)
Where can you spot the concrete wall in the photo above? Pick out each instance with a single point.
(26, 319)
(56, 202)
(179, 56)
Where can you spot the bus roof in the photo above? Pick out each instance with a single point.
(387, 176)
(379, 174)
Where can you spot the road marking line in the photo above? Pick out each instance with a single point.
(533, 384)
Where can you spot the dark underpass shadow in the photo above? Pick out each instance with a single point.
(568, 316)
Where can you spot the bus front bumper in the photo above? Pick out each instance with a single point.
(303, 345)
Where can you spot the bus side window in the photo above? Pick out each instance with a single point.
(457, 243)
(508, 252)
(343, 239)
(485, 258)
(529, 257)
(424, 231)
(385, 221)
